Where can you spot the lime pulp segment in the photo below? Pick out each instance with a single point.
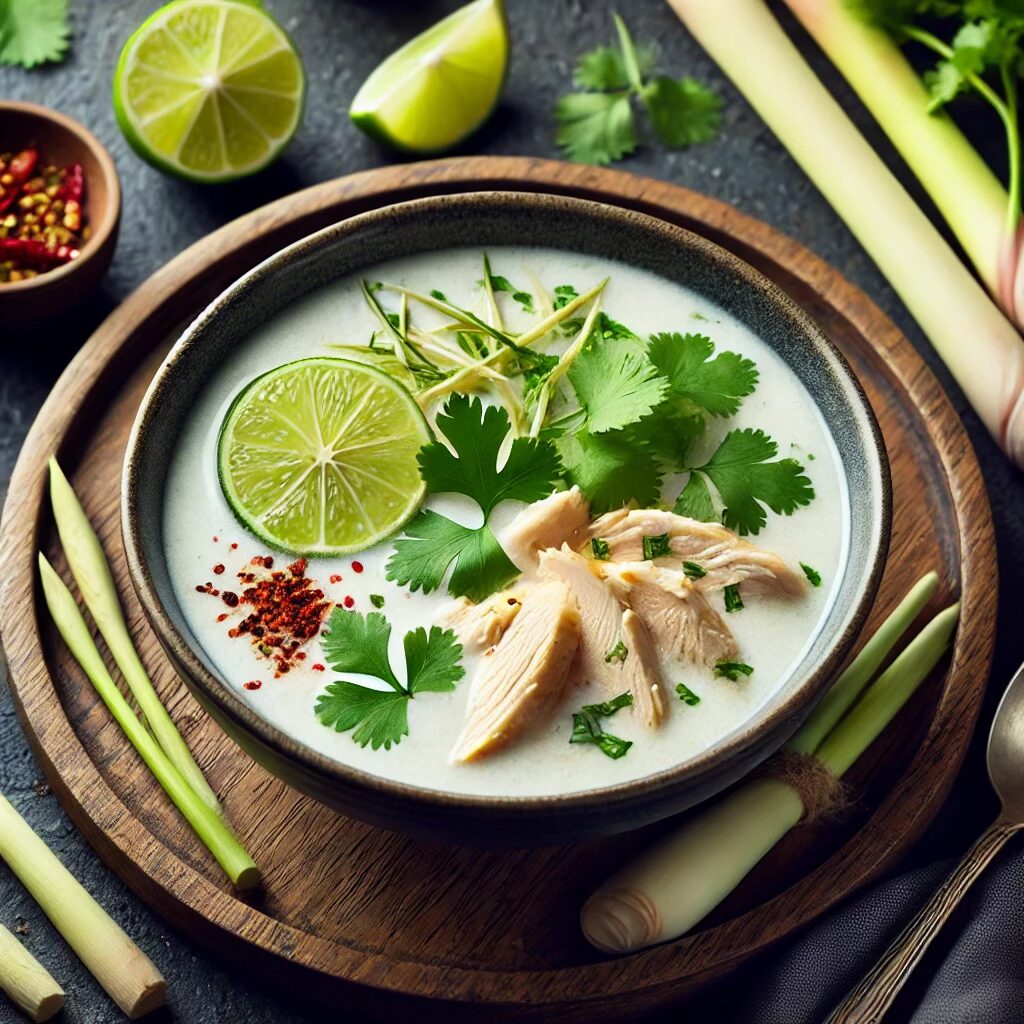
(440, 86)
(318, 457)
(209, 89)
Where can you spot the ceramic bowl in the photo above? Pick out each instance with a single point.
(482, 220)
(62, 141)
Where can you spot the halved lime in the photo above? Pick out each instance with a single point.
(318, 457)
(209, 90)
(440, 86)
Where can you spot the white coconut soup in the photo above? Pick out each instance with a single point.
(200, 534)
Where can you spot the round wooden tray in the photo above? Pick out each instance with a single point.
(471, 934)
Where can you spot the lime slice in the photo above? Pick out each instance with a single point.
(440, 86)
(209, 90)
(318, 457)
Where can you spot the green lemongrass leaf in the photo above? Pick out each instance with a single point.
(95, 582)
(880, 703)
(207, 823)
(28, 983)
(831, 708)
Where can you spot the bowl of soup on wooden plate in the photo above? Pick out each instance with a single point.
(506, 518)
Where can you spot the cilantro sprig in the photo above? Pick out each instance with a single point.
(747, 481)
(598, 125)
(358, 644)
(33, 32)
(433, 542)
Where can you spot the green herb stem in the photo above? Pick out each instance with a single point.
(206, 822)
(95, 582)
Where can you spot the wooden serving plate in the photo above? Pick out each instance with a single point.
(456, 932)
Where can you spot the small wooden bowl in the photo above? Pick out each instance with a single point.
(63, 141)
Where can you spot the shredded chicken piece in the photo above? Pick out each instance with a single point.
(479, 626)
(523, 677)
(600, 616)
(676, 614)
(641, 671)
(726, 558)
(562, 518)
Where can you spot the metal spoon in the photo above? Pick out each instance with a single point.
(868, 1002)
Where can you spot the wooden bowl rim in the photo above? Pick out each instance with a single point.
(101, 230)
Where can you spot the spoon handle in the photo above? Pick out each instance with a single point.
(872, 997)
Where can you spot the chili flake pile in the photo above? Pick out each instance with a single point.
(287, 609)
(42, 216)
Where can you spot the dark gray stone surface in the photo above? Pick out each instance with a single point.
(341, 40)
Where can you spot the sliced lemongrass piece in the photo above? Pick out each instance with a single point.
(207, 823)
(404, 349)
(562, 366)
(457, 313)
(95, 582)
(492, 300)
(846, 689)
(28, 983)
(679, 880)
(124, 971)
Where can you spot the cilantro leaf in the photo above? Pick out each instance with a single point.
(611, 469)
(717, 385)
(564, 294)
(812, 574)
(33, 32)
(595, 127)
(476, 433)
(604, 327)
(747, 482)
(683, 111)
(379, 717)
(615, 385)
(695, 501)
(432, 660)
(356, 643)
(432, 542)
(604, 70)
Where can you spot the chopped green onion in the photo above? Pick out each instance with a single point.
(586, 726)
(656, 546)
(617, 653)
(92, 573)
(377, 600)
(207, 823)
(694, 571)
(732, 670)
(600, 548)
(733, 601)
(124, 971)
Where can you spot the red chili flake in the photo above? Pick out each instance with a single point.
(234, 547)
(336, 578)
(219, 568)
(253, 684)
(222, 616)
(317, 667)
(298, 568)
(300, 655)
(216, 539)
(230, 598)
(349, 602)
(357, 566)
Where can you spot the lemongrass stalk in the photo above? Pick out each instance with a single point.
(124, 971)
(207, 823)
(979, 345)
(28, 983)
(92, 573)
(676, 883)
(976, 206)
(861, 670)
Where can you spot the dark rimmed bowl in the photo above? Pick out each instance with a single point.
(481, 220)
(64, 141)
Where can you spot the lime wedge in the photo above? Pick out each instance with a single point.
(318, 457)
(209, 90)
(440, 86)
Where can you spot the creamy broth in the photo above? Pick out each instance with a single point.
(772, 632)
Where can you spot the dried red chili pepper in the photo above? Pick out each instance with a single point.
(73, 185)
(36, 253)
(18, 171)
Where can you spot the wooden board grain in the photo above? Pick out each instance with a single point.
(465, 933)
